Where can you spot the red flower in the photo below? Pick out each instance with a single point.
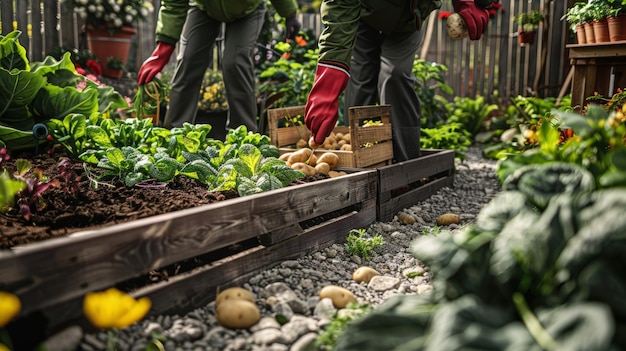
(444, 14)
(79, 69)
(285, 55)
(94, 67)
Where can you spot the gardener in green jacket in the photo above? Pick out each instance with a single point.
(197, 25)
(377, 40)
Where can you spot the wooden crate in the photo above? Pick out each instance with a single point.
(51, 277)
(403, 184)
(380, 153)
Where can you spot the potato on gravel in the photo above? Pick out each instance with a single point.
(237, 314)
(341, 297)
(364, 274)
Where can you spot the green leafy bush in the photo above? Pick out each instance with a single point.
(359, 242)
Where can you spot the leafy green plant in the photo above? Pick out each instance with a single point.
(470, 113)
(575, 15)
(32, 93)
(529, 21)
(451, 136)
(115, 63)
(359, 242)
(150, 99)
(28, 199)
(596, 145)
(338, 324)
(491, 277)
(429, 84)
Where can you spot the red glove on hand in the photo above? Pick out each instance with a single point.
(155, 63)
(322, 107)
(475, 17)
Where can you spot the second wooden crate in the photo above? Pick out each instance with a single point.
(371, 144)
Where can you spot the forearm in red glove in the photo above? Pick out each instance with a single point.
(321, 110)
(155, 63)
(474, 16)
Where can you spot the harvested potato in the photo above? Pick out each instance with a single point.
(339, 136)
(346, 147)
(312, 160)
(322, 167)
(406, 218)
(234, 293)
(347, 137)
(448, 218)
(285, 156)
(334, 174)
(301, 144)
(304, 168)
(237, 314)
(364, 274)
(456, 27)
(340, 296)
(341, 143)
(329, 157)
(313, 144)
(300, 155)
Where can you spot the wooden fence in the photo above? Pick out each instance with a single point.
(496, 67)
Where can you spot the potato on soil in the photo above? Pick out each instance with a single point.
(300, 155)
(304, 168)
(448, 218)
(322, 167)
(334, 174)
(237, 314)
(301, 144)
(340, 296)
(234, 293)
(329, 157)
(364, 274)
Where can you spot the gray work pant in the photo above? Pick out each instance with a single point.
(195, 52)
(381, 72)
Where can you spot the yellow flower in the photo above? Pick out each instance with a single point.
(10, 306)
(114, 309)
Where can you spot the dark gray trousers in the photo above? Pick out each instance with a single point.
(194, 55)
(381, 72)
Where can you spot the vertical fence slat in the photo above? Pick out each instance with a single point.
(37, 40)
(495, 63)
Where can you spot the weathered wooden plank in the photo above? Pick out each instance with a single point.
(50, 272)
(389, 208)
(197, 288)
(436, 165)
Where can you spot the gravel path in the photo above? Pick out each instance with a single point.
(291, 289)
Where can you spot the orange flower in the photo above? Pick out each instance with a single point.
(300, 40)
(285, 55)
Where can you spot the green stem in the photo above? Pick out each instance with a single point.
(533, 325)
(111, 340)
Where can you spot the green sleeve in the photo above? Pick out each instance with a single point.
(285, 8)
(172, 15)
(341, 21)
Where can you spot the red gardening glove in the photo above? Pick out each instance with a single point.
(155, 63)
(322, 106)
(475, 17)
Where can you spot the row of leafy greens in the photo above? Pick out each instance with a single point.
(87, 124)
(540, 269)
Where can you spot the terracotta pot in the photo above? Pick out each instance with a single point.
(589, 35)
(580, 34)
(617, 28)
(103, 43)
(601, 31)
(526, 37)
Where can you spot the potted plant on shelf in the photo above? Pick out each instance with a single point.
(575, 17)
(600, 10)
(617, 20)
(528, 23)
(111, 25)
(114, 67)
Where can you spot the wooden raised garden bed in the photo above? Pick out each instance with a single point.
(371, 145)
(246, 234)
(404, 184)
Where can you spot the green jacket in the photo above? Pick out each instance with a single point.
(341, 20)
(172, 13)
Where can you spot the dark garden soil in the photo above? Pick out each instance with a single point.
(78, 204)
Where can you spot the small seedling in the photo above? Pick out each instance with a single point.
(360, 243)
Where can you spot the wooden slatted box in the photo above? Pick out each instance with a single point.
(379, 149)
